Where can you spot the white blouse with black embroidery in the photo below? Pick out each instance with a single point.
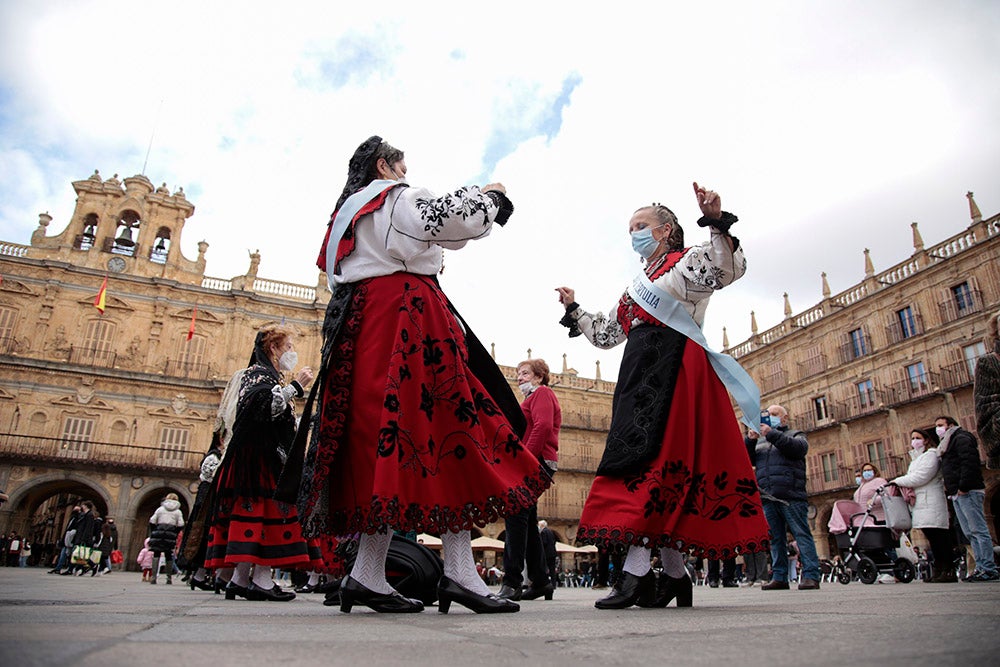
(701, 271)
(409, 230)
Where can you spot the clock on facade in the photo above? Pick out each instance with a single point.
(116, 264)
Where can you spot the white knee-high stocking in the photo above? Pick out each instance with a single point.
(673, 563)
(637, 561)
(262, 577)
(369, 566)
(459, 566)
(241, 574)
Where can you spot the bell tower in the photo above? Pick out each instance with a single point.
(125, 227)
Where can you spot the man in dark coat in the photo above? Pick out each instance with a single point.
(548, 549)
(780, 462)
(963, 483)
(84, 534)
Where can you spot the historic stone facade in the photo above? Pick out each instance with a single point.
(860, 369)
(119, 407)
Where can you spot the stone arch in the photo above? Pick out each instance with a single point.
(140, 508)
(26, 499)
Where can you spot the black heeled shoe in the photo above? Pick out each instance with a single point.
(219, 585)
(352, 593)
(533, 593)
(449, 591)
(257, 593)
(669, 588)
(510, 593)
(307, 588)
(630, 590)
(201, 584)
(232, 590)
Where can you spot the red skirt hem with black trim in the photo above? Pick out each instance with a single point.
(409, 437)
(263, 531)
(699, 493)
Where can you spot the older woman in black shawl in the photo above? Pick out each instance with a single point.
(246, 526)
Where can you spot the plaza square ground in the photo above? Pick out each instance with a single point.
(118, 620)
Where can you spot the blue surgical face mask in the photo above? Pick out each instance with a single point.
(868, 474)
(644, 243)
(857, 480)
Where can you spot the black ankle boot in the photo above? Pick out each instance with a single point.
(533, 592)
(668, 588)
(630, 590)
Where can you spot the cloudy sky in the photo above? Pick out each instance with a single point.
(828, 127)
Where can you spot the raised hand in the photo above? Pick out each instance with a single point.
(709, 202)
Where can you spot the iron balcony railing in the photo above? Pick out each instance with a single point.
(70, 451)
(957, 307)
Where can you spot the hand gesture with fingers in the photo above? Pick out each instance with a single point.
(709, 202)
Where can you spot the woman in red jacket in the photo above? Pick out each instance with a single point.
(541, 438)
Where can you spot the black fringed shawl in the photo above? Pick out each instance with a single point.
(257, 436)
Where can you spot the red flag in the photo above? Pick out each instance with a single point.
(194, 314)
(102, 296)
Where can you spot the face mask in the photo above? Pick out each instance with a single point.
(917, 444)
(644, 243)
(941, 430)
(288, 360)
(399, 179)
(857, 480)
(868, 474)
(526, 387)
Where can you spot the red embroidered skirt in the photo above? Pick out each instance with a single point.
(699, 493)
(409, 437)
(261, 531)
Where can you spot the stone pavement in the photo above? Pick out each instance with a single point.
(118, 620)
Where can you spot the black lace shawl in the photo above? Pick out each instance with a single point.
(641, 405)
(257, 436)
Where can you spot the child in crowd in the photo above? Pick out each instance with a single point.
(145, 561)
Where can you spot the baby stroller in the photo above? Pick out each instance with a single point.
(865, 545)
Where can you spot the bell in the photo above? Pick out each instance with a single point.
(89, 234)
(161, 245)
(125, 239)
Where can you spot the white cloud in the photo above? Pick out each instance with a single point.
(827, 127)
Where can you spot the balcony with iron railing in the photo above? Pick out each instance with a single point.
(910, 389)
(897, 331)
(955, 309)
(774, 381)
(104, 455)
(956, 375)
(862, 404)
(855, 349)
(812, 366)
(88, 356)
(809, 420)
(186, 369)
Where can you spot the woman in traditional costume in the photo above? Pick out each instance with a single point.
(247, 527)
(417, 429)
(675, 475)
(195, 540)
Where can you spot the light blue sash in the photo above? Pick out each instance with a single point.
(351, 206)
(669, 310)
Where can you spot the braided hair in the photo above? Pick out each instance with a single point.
(363, 169)
(675, 241)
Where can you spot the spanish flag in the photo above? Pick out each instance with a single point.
(102, 296)
(194, 314)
